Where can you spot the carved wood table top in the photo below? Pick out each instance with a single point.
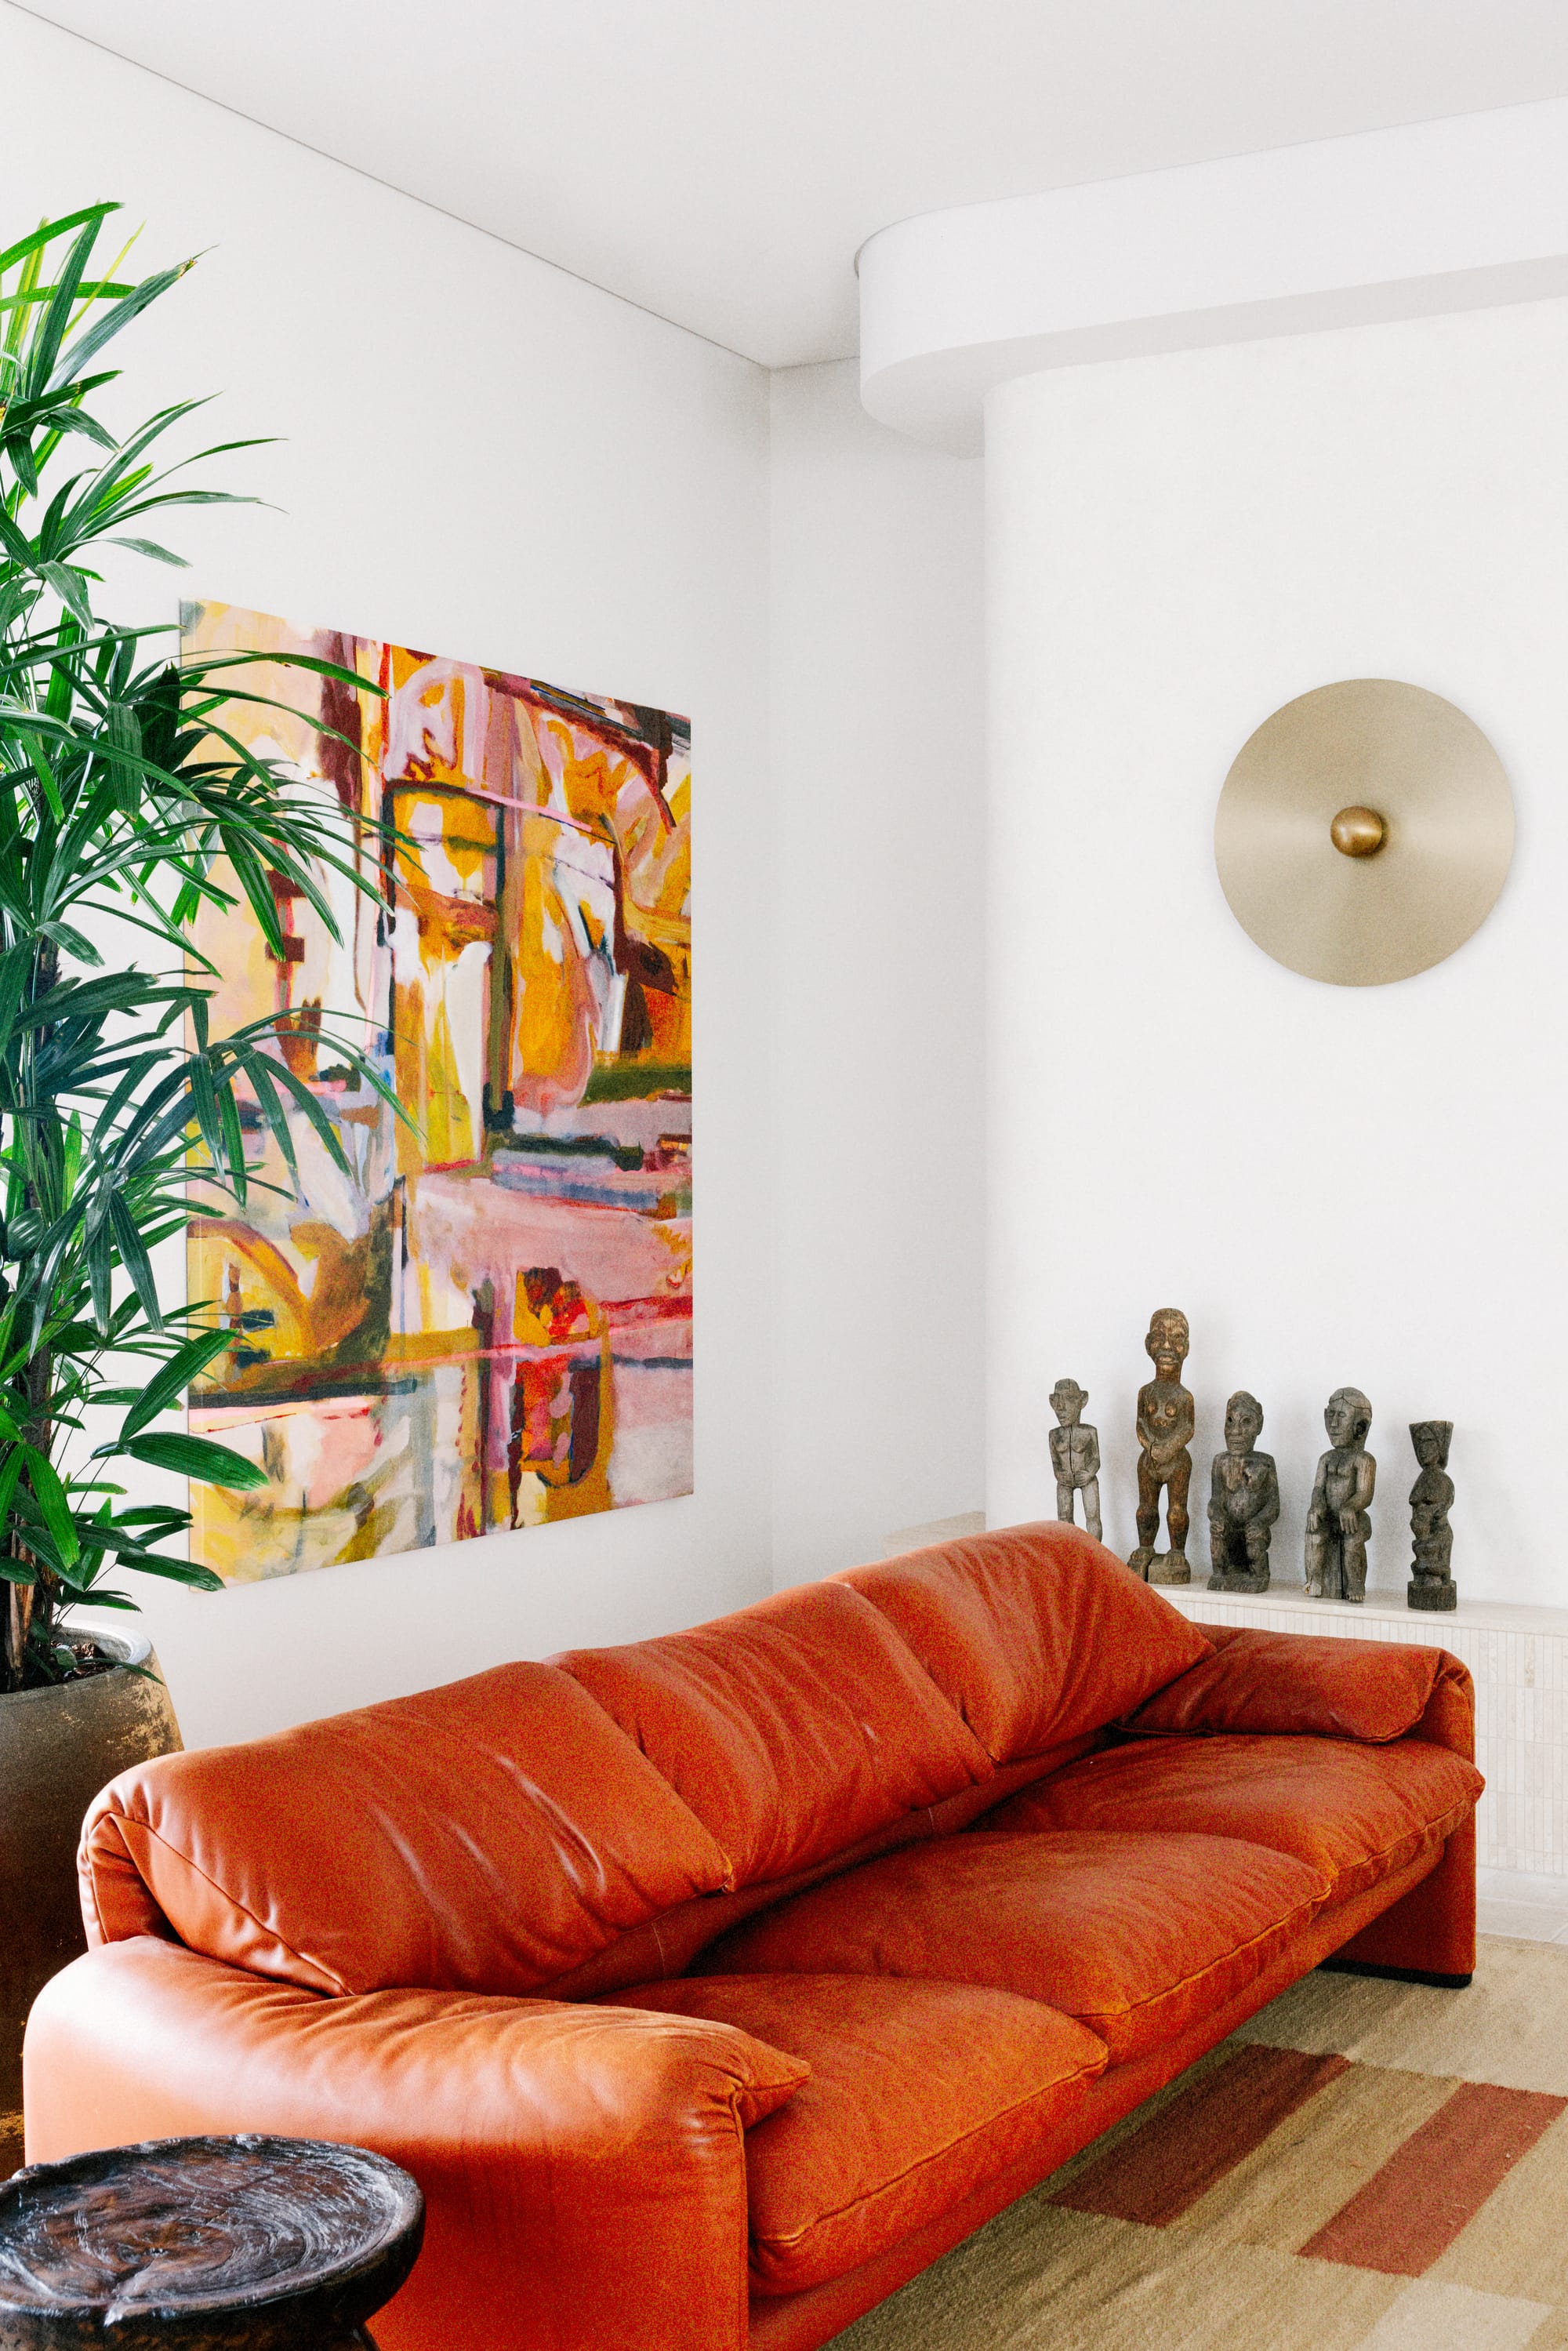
(213, 2245)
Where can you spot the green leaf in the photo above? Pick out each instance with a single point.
(53, 229)
(149, 547)
(70, 588)
(199, 1457)
(43, 1479)
(50, 331)
(109, 324)
(100, 1279)
(75, 942)
(71, 420)
(19, 449)
(9, 1473)
(133, 1257)
(175, 1378)
(16, 970)
(96, 289)
(177, 1571)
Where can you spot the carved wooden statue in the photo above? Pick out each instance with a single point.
(1075, 1456)
(1431, 1499)
(1165, 1426)
(1337, 1520)
(1243, 1502)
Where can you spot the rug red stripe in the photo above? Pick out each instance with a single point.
(1410, 2211)
(1165, 2164)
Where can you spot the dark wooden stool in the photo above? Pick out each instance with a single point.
(216, 2244)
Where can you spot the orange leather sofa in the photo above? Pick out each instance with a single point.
(713, 1986)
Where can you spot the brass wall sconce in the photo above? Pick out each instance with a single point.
(1363, 832)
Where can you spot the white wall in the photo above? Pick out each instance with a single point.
(1338, 1186)
(878, 1029)
(486, 456)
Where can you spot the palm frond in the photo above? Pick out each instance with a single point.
(125, 789)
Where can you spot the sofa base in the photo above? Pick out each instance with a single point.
(804, 2322)
(1337, 1967)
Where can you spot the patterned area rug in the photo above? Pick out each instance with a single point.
(1365, 2167)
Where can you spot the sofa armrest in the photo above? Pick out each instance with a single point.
(1313, 1685)
(583, 2167)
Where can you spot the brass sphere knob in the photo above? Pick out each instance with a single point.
(1358, 832)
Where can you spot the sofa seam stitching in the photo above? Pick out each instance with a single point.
(1066, 2081)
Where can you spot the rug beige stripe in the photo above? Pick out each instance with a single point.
(1511, 2026)
(1430, 2316)
(1518, 2242)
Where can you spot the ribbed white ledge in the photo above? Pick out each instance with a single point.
(1519, 1656)
(1416, 1624)
(1435, 216)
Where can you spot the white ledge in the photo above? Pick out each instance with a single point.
(1437, 216)
(1379, 1607)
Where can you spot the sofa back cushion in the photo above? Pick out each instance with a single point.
(1037, 1633)
(1295, 1684)
(487, 1836)
(792, 1730)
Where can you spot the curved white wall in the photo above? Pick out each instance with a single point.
(1360, 1186)
(1425, 219)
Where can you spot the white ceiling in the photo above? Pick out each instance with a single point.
(720, 161)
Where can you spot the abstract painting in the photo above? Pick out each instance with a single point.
(488, 1323)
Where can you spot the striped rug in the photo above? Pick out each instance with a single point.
(1365, 2167)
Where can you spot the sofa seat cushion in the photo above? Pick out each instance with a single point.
(792, 1730)
(1135, 1935)
(1355, 1813)
(1037, 1633)
(918, 2094)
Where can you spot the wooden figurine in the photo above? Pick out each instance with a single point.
(1431, 1499)
(1243, 1502)
(1337, 1520)
(1075, 1456)
(1164, 1426)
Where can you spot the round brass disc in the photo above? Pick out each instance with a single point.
(1366, 745)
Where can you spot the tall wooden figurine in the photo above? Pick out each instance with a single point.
(1165, 1426)
(1337, 1520)
(1432, 1538)
(1075, 1456)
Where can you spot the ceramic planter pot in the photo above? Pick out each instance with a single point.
(58, 1748)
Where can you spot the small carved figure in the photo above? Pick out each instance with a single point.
(1075, 1456)
(1432, 1582)
(1337, 1520)
(1243, 1502)
(1164, 1424)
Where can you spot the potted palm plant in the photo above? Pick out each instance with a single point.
(126, 802)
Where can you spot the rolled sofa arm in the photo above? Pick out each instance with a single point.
(1311, 1685)
(582, 2167)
